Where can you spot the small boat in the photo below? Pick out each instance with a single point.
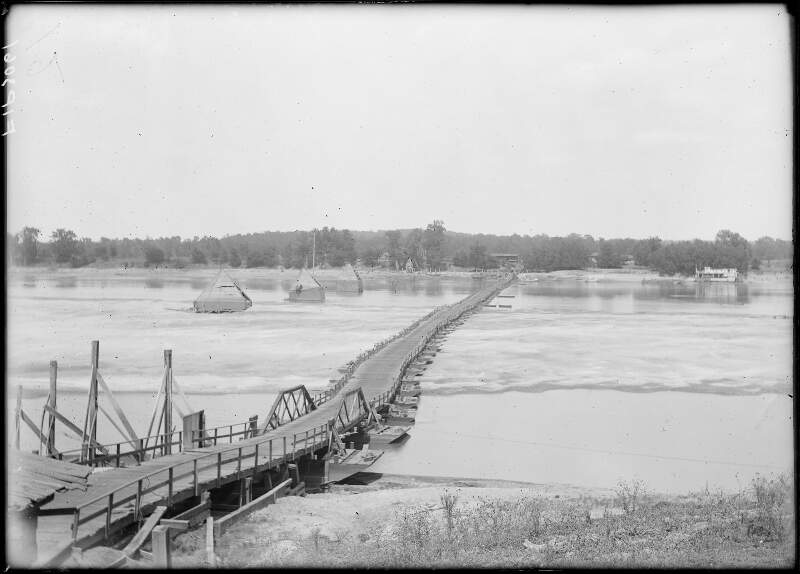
(351, 461)
(307, 288)
(400, 416)
(384, 435)
(711, 275)
(223, 295)
(407, 401)
(410, 390)
(349, 281)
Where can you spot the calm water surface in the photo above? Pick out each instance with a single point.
(584, 383)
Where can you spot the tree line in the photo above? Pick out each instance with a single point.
(432, 247)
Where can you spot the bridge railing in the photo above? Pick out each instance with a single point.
(301, 443)
(328, 394)
(137, 449)
(456, 311)
(216, 434)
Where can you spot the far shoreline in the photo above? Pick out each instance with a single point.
(594, 275)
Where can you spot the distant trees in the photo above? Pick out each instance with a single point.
(198, 256)
(29, 244)
(234, 260)
(608, 257)
(428, 247)
(265, 258)
(478, 256)
(103, 250)
(412, 246)
(153, 255)
(643, 250)
(555, 253)
(334, 247)
(64, 244)
(394, 246)
(768, 249)
(433, 243)
(731, 250)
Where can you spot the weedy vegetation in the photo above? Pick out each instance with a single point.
(752, 528)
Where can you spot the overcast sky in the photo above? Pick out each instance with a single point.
(186, 120)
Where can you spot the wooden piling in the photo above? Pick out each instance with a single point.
(90, 421)
(17, 412)
(168, 401)
(51, 424)
(95, 368)
(210, 556)
(253, 427)
(161, 548)
(245, 491)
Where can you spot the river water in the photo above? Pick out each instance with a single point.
(584, 383)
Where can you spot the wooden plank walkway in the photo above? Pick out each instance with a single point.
(118, 497)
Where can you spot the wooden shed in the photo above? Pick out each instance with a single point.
(33, 481)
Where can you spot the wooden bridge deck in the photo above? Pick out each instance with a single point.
(109, 502)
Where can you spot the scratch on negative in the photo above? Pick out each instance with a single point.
(53, 29)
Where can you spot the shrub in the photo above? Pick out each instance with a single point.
(629, 493)
(767, 522)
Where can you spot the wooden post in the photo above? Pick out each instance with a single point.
(193, 430)
(17, 412)
(211, 557)
(90, 424)
(170, 486)
(168, 401)
(245, 491)
(161, 551)
(51, 426)
(95, 368)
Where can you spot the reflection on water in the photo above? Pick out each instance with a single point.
(722, 293)
(637, 297)
(433, 287)
(154, 283)
(66, 282)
